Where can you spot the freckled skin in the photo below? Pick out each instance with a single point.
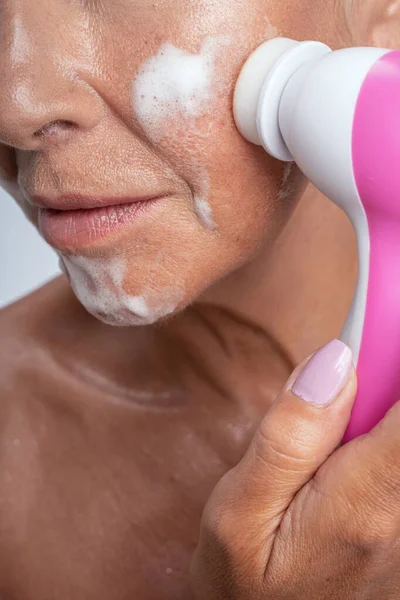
(111, 439)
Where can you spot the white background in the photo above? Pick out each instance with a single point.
(26, 261)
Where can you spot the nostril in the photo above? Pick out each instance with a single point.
(54, 127)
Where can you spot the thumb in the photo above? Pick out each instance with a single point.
(302, 428)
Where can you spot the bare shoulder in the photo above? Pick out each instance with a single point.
(26, 371)
(89, 499)
(25, 343)
(21, 326)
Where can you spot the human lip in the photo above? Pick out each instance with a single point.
(76, 228)
(80, 202)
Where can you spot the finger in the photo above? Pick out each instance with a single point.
(365, 474)
(301, 429)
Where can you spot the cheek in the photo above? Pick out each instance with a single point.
(174, 97)
(175, 87)
(183, 104)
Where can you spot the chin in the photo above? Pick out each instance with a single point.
(121, 316)
(129, 311)
(102, 288)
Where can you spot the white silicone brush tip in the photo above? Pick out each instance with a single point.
(250, 83)
(274, 127)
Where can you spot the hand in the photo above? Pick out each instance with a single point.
(297, 519)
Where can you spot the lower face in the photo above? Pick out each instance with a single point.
(164, 74)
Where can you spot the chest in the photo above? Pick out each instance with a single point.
(102, 505)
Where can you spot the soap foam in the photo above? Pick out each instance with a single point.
(271, 32)
(201, 205)
(175, 85)
(98, 285)
(286, 188)
(172, 90)
(204, 212)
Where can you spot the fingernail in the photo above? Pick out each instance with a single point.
(325, 374)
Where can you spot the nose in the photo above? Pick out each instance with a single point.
(46, 65)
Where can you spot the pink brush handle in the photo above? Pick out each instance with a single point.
(376, 161)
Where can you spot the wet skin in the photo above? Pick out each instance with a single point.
(111, 439)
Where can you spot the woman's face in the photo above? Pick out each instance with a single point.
(127, 100)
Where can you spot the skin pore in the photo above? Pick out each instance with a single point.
(112, 438)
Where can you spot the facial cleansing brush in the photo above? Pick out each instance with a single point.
(336, 114)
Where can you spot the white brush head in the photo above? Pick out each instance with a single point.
(250, 83)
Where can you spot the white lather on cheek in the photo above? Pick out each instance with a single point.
(201, 205)
(172, 84)
(98, 285)
(286, 188)
(171, 91)
(204, 212)
(271, 32)
(175, 85)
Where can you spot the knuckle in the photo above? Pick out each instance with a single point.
(219, 520)
(231, 530)
(217, 523)
(210, 576)
(375, 536)
(370, 506)
(221, 561)
(371, 530)
(286, 446)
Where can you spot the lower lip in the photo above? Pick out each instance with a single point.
(73, 229)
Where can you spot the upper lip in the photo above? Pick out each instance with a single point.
(79, 202)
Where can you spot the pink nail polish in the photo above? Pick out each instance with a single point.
(325, 374)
